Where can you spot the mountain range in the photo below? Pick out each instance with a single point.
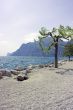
(33, 49)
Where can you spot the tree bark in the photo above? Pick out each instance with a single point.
(56, 53)
(69, 58)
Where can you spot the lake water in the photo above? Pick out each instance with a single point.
(10, 62)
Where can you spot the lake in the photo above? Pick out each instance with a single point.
(11, 62)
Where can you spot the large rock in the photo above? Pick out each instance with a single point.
(46, 65)
(28, 71)
(25, 77)
(5, 72)
(18, 68)
(1, 75)
(41, 66)
(30, 67)
(51, 65)
(14, 72)
(22, 78)
(8, 73)
(24, 72)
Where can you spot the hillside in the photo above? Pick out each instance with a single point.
(33, 49)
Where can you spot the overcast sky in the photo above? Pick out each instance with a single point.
(20, 20)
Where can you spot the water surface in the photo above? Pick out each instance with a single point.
(10, 62)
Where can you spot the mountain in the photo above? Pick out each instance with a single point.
(33, 49)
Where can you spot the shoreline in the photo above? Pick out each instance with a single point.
(47, 88)
(12, 62)
(26, 70)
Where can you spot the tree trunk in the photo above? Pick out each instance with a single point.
(56, 53)
(69, 58)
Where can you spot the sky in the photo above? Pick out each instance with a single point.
(21, 20)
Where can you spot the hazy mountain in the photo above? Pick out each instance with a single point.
(33, 49)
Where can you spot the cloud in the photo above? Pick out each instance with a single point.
(3, 48)
(6, 46)
(20, 20)
(1, 34)
(10, 46)
(30, 37)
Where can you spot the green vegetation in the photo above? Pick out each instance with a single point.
(68, 50)
(56, 34)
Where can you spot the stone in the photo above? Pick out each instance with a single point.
(46, 65)
(51, 65)
(14, 72)
(18, 68)
(30, 67)
(25, 77)
(24, 72)
(24, 68)
(1, 75)
(28, 71)
(5, 72)
(20, 78)
(8, 73)
(41, 66)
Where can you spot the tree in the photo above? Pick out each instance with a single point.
(68, 50)
(56, 34)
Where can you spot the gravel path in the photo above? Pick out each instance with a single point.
(46, 89)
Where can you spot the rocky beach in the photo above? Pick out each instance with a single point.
(46, 88)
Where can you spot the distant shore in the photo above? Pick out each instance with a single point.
(47, 88)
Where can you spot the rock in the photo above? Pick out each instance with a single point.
(22, 78)
(5, 72)
(8, 73)
(14, 72)
(41, 66)
(51, 65)
(46, 65)
(30, 67)
(24, 68)
(25, 77)
(28, 71)
(24, 72)
(19, 68)
(1, 75)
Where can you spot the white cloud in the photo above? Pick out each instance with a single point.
(21, 17)
(10, 46)
(6, 46)
(30, 37)
(72, 22)
(1, 34)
